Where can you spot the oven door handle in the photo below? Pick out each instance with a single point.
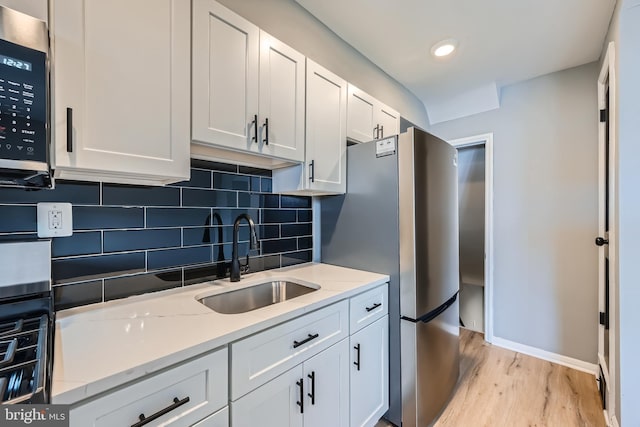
(10, 353)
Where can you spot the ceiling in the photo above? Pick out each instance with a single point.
(500, 41)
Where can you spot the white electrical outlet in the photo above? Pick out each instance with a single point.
(55, 220)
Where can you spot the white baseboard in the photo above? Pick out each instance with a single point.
(570, 362)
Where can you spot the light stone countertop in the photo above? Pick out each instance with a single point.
(102, 346)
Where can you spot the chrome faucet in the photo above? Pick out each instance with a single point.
(235, 261)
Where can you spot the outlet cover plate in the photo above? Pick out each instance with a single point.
(55, 219)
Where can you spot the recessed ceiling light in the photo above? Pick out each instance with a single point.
(444, 48)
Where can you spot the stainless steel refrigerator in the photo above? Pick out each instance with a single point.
(400, 217)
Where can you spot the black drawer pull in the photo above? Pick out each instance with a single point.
(311, 337)
(300, 402)
(373, 307)
(146, 420)
(69, 130)
(357, 362)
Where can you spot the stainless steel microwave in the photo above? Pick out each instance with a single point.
(24, 101)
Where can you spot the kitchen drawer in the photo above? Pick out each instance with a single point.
(368, 307)
(203, 380)
(265, 355)
(219, 419)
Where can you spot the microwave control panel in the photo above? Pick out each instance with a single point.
(23, 103)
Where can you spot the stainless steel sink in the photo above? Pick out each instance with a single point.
(256, 296)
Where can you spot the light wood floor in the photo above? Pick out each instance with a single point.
(500, 387)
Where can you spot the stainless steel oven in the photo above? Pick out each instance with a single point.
(26, 322)
(24, 101)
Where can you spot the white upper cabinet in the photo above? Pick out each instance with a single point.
(225, 76)
(361, 119)
(326, 130)
(388, 121)
(121, 87)
(282, 93)
(325, 167)
(248, 87)
(368, 118)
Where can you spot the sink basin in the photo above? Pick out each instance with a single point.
(256, 296)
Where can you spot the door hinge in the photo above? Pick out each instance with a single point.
(604, 320)
(603, 116)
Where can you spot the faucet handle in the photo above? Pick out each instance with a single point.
(244, 268)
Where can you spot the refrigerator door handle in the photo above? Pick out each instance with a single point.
(435, 312)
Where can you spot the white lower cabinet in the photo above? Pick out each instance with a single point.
(219, 419)
(313, 394)
(311, 371)
(274, 404)
(178, 397)
(369, 373)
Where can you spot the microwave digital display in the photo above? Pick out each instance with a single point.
(23, 103)
(17, 63)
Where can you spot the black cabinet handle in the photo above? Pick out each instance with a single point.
(311, 337)
(146, 420)
(373, 307)
(266, 131)
(69, 130)
(600, 241)
(300, 402)
(312, 395)
(255, 128)
(381, 131)
(357, 362)
(376, 129)
(312, 170)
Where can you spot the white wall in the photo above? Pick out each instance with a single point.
(545, 210)
(291, 23)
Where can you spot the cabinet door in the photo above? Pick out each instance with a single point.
(389, 121)
(219, 419)
(361, 109)
(275, 404)
(225, 77)
(282, 93)
(370, 373)
(122, 68)
(326, 167)
(327, 387)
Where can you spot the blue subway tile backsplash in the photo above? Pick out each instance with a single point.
(130, 240)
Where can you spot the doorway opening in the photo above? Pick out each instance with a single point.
(475, 199)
